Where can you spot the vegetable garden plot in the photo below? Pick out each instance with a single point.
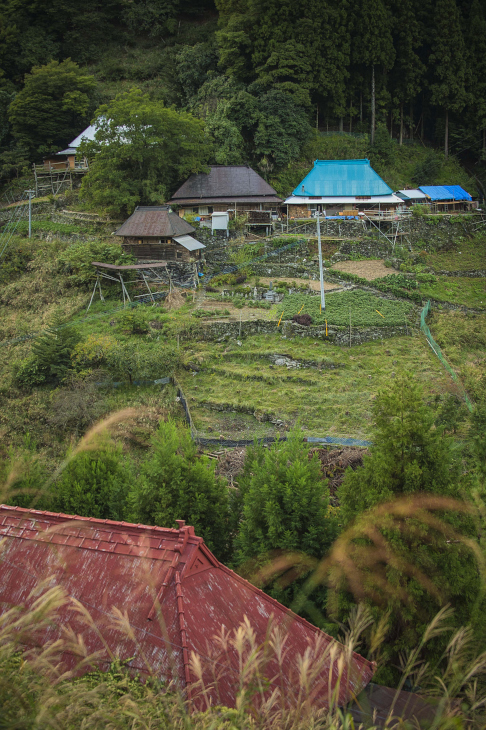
(365, 309)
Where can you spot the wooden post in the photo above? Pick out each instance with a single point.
(400, 142)
(446, 135)
(373, 105)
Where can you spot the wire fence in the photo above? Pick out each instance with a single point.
(438, 352)
(232, 443)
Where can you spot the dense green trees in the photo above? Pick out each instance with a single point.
(94, 482)
(177, 484)
(448, 63)
(56, 100)
(282, 507)
(269, 72)
(409, 458)
(141, 151)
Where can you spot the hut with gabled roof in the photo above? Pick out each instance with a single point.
(156, 233)
(225, 187)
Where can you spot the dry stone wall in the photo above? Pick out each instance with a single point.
(221, 331)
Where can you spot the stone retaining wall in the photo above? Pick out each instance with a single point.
(220, 331)
(472, 274)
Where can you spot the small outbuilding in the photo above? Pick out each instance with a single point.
(412, 196)
(155, 232)
(67, 158)
(346, 188)
(235, 188)
(448, 198)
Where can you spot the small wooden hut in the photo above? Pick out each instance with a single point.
(156, 233)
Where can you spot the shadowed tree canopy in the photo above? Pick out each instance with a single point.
(142, 150)
(54, 104)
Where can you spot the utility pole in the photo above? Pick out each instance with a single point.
(321, 272)
(31, 194)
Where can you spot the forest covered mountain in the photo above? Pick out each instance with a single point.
(262, 76)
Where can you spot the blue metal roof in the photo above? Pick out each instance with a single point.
(331, 178)
(445, 192)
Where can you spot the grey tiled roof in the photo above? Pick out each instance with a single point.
(155, 220)
(229, 182)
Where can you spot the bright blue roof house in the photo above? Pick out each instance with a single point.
(338, 187)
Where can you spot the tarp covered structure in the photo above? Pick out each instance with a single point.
(445, 192)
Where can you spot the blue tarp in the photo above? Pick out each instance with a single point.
(445, 192)
(336, 178)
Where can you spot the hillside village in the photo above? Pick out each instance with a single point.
(243, 400)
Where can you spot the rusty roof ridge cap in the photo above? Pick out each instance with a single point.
(183, 632)
(92, 520)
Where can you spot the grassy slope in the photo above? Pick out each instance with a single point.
(239, 379)
(333, 398)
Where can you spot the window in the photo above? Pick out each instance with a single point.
(179, 254)
(210, 209)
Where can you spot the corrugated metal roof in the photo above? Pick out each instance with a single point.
(229, 182)
(189, 243)
(411, 194)
(88, 135)
(136, 568)
(339, 178)
(154, 221)
(304, 199)
(445, 192)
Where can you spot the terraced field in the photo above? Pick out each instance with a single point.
(242, 391)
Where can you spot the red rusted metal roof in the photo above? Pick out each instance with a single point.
(105, 564)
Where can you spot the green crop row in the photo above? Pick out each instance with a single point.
(362, 308)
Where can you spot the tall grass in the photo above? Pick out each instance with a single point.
(40, 689)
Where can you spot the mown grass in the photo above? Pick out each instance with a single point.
(468, 254)
(327, 401)
(462, 338)
(470, 292)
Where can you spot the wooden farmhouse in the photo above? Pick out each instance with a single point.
(235, 188)
(69, 158)
(156, 233)
(342, 188)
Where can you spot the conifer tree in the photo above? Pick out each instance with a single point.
(284, 501)
(409, 69)
(411, 457)
(94, 483)
(52, 349)
(448, 63)
(176, 483)
(282, 507)
(373, 44)
(476, 48)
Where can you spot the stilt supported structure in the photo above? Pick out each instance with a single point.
(394, 228)
(144, 273)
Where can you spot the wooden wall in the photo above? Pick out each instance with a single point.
(158, 251)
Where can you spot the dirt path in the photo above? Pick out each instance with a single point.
(314, 285)
(369, 269)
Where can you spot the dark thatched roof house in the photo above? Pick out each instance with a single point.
(155, 232)
(225, 187)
